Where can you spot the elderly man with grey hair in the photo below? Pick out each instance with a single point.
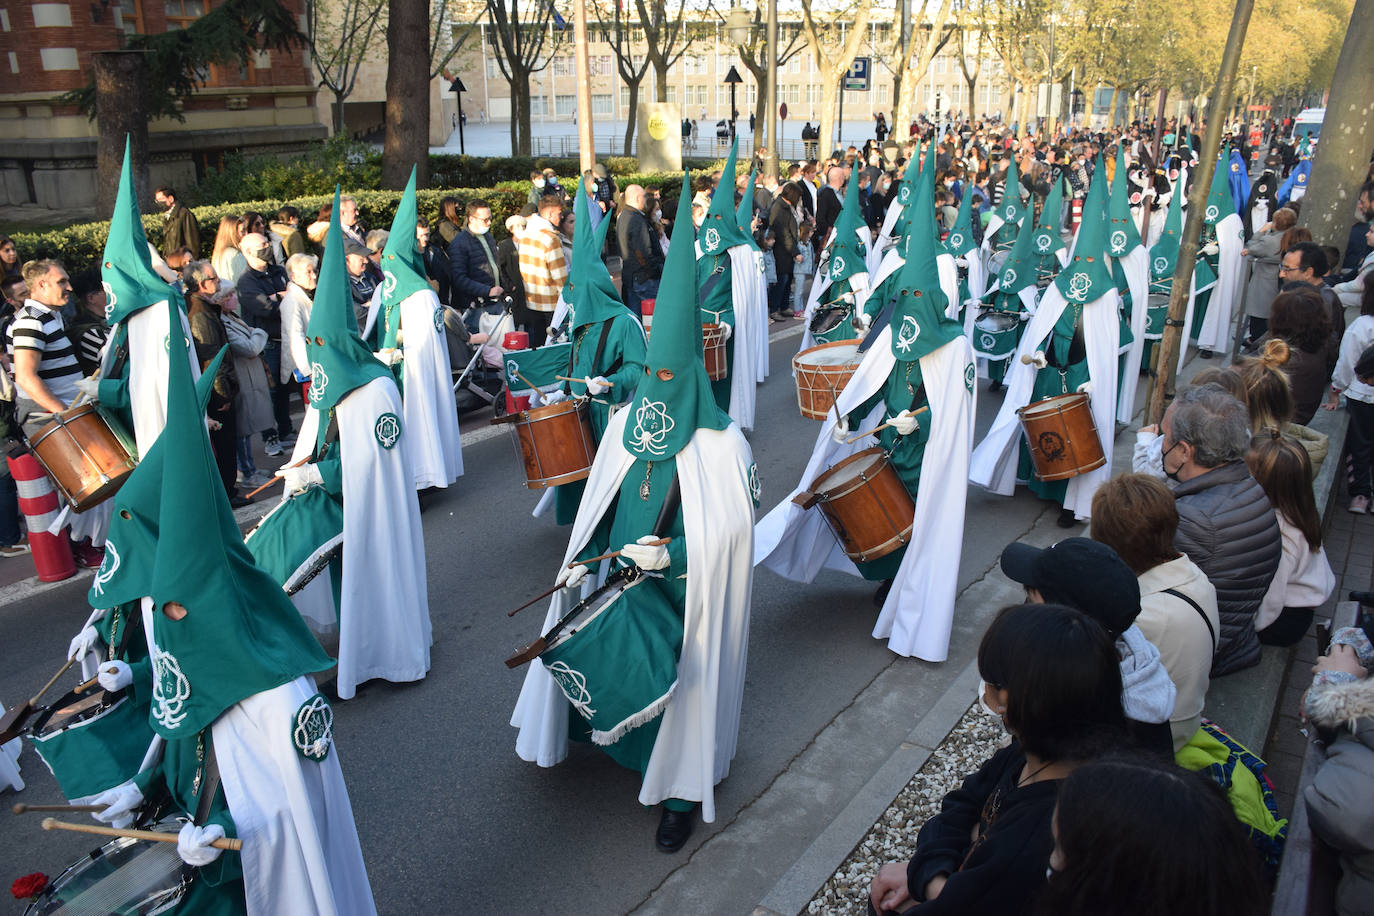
(1225, 522)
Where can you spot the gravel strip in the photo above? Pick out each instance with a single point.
(893, 837)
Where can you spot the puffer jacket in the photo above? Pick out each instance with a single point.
(1227, 527)
(1339, 802)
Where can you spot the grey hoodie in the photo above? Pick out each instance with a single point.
(1147, 693)
(1340, 803)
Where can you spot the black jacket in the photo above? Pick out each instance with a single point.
(256, 291)
(641, 255)
(782, 224)
(828, 206)
(437, 270)
(470, 268)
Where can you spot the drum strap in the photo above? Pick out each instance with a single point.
(883, 320)
(209, 784)
(918, 396)
(711, 282)
(601, 350)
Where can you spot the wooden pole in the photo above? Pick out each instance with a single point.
(1163, 388)
(586, 147)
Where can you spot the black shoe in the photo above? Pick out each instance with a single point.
(238, 502)
(1205, 354)
(775, 316)
(673, 830)
(1066, 519)
(881, 594)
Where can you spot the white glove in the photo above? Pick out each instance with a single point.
(646, 557)
(115, 675)
(120, 804)
(88, 386)
(536, 397)
(572, 577)
(726, 331)
(552, 397)
(83, 642)
(298, 478)
(1211, 249)
(961, 262)
(388, 356)
(193, 844)
(904, 422)
(597, 385)
(1038, 360)
(841, 431)
(1086, 387)
(863, 320)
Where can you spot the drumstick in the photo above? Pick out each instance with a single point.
(10, 723)
(22, 808)
(50, 823)
(87, 685)
(528, 384)
(275, 479)
(580, 381)
(856, 438)
(615, 553)
(536, 598)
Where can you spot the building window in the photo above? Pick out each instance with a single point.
(624, 98)
(539, 106)
(672, 94)
(813, 94)
(882, 93)
(181, 13)
(129, 17)
(940, 64)
(564, 105)
(561, 66)
(794, 65)
(753, 93)
(605, 67)
(492, 70)
(601, 105)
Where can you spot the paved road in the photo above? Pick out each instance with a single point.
(452, 821)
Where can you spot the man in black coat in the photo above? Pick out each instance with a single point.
(473, 268)
(828, 205)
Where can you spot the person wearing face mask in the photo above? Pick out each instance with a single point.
(303, 272)
(261, 288)
(537, 186)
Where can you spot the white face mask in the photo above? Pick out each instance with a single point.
(983, 701)
(658, 214)
(479, 229)
(538, 182)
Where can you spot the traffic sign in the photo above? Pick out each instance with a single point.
(856, 78)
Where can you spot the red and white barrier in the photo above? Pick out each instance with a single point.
(52, 553)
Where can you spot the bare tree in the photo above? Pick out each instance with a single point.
(1017, 35)
(754, 55)
(444, 23)
(616, 33)
(340, 33)
(833, 43)
(972, 33)
(518, 46)
(914, 45)
(666, 39)
(407, 93)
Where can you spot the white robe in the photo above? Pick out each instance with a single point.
(1215, 333)
(1136, 265)
(749, 294)
(700, 728)
(994, 462)
(384, 626)
(300, 846)
(795, 543)
(431, 414)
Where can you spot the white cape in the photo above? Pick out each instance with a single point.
(700, 728)
(1215, 333)
(384, 626)
(995, 459)
(1136, 265)
(795, 543)
(749, 294)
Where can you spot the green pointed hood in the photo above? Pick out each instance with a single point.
(1123, 237)
(919, 324)
(240, 635)
(906, 192)
(961, 241)
(1011, 209)
(744, 214)
(126, 573)
(1164, 254)
(589, 290)
(1046, 240)
(126, 270)
(1019, 269)
(674, 398)
(1087, 276)
(1219, 203)
(403, 268)
(847, 251)
(339, 361)
(720, 229)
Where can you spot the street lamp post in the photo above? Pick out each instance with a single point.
(457, 88)
(734, 79)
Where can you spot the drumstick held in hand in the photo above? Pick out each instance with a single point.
(852, 439)
(22, 808)
(50, 823)
(538, 597)
(615, 553)
(580, 381)
(276, 480)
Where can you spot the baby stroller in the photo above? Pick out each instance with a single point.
(479, 382)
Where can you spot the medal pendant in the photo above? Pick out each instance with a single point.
(644, 489)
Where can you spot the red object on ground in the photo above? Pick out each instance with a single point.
(515, 340)
(29, 886)
(52, 553)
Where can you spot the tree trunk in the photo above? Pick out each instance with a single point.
(830, 96)
(523, 145)
(407, 93)
(339, 120)
(972, 100)
(660, 81)
(1111, 112)
(1347, 135)
(630, 118)
(120, 113)
(514, 115)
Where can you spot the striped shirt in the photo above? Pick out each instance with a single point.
(543, 268)
(37, 327)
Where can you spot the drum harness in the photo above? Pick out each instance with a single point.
(596, 357)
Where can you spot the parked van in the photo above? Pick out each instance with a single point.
(1308, 123)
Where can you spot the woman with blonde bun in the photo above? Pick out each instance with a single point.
(1269, 398)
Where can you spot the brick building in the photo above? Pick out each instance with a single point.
(48, 156)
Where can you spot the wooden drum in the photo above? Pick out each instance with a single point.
(555, 442)
(83, 456)
(1062, 436)
(714, 352)
(822, 372)
(865, 504)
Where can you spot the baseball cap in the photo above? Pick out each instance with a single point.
(1081, 573)
(354, 247)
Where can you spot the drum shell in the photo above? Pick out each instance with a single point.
(555, 443)
(995, 335)
(1157, 309)
(97, 748)
(298, 538)
(871, 515)
(828, 318)
(616, 660)
(819, 384)
(714, 352)
(1062, 436)
(125, 875)
(83, 455)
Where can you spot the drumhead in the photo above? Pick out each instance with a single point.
(593, 606)
(840, 353)
(829, 318)
(995, 322)
(1059, 402)
(123, 876)
(846, 472)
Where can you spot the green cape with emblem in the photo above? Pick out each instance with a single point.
(589, 290)
(1011, 209)
(674, 397)
(403, 268)
(1219, 203)
(906, 191)
(240, 634)
(847, 250)
(1086, 277)
(1164, 253)
(720, 229)
(1124, 237)
(126, 269)
(744, 215)
(1046, 241)
(961, 241)
(919, 324)
(339, 360)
